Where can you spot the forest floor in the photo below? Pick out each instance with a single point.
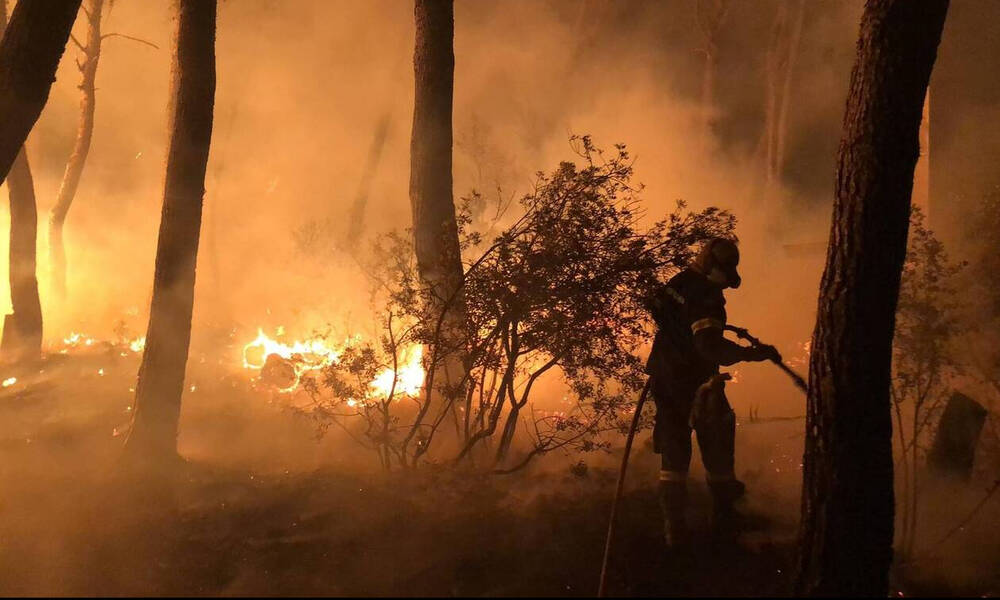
(262, 508)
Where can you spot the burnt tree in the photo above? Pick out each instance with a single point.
(847, 497)
(32, 45)
(161, 376)
(22, 329)
(435, 230)
(81, 147)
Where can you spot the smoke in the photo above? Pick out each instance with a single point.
(303, 85)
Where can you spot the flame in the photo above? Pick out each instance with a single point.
(409, 375)
(316, 353)
(75, 339)
(310, 355)
(137, 345)
(9, 381)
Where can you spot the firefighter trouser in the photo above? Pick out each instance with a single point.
(672, 434)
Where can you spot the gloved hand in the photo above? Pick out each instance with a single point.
(763, 352)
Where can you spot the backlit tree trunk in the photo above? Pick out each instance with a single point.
(847, 496)
(77, 160)
(32, 45)
(434, 227)
(161, 375)
(22, 329)
(711, 15)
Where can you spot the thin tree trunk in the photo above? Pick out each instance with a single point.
(32, 45)
(794, 41)
(772, 92)
(847, 496)
(77, 160)
(711, 15)
(356, 217)
(161, 375)
(22, 329)
(435, 229)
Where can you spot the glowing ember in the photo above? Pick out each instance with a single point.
(77, 339)
(137, 345)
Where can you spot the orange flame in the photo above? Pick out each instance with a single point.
(316, 353)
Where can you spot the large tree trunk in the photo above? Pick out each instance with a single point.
(77, 160)
(22, 329)
(29, 54)
(161, 375)
(847, 496)
(434, 227)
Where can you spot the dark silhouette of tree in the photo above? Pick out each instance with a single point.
(74, 168)
(847, 497)
(161, 375)
(435, 231)
(32, 45)
(22, 329)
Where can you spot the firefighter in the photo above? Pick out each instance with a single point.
(688, 388)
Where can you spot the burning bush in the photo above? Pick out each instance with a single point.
(558, 291)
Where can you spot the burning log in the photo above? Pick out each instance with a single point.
(957, 435)
(279, 372)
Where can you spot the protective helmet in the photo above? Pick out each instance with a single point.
(718, 260)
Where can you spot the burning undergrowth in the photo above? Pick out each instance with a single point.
(545, 353)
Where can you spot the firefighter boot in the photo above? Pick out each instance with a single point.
(673, 502)
(725, 518)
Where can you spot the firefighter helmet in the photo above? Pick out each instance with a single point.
(718, 260)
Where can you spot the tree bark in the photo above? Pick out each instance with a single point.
(32, 45)
(22, 329)
(161, 376)
(77, 160)
(435, 229)
(847, 497)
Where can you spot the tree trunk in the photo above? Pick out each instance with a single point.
(22, 329)
(711, 15)
(435, 229)
(794, 41)
(356, 217)
(29, 54)
(847, 496)
(161, 375)
(77, 160)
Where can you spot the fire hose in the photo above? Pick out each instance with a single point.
(795, 377)
(618, 490)
(742, 334)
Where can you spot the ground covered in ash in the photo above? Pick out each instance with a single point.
(262, 508)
